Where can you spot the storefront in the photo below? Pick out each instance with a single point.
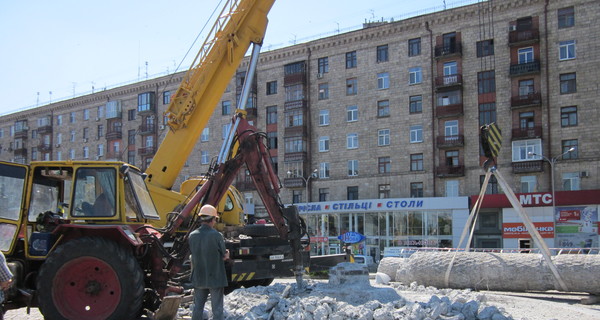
(411, 222)
(573, 223)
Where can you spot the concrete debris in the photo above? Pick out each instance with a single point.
(360, 300)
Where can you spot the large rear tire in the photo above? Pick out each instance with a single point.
(90, 278)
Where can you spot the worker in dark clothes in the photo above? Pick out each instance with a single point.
(208, 264)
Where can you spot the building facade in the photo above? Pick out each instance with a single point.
(390, 111)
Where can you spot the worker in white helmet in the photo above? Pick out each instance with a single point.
(208, 264)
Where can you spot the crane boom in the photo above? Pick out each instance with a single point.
(240, 24)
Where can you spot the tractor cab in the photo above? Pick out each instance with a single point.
(45, 201)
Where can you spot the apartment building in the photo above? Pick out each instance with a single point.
(376, 131)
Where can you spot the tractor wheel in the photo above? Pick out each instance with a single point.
(90, 278)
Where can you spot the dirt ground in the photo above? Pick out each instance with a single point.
(520, 305)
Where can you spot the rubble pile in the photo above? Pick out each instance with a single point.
(354, 300)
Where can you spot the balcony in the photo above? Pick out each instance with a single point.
(114, 134)
(44, 130)
(147, 151)
(528, 100)
(295, 104)
(21, 134)
(448, 81)
(450, 110)
(525, 68)
(295, 157)
(113, 155)
(245, 185)
(522, 37)
(21, 152)
(450, 141)
(146, 129)
(294, 78)
(527, 133)
(527, 166)
(44, 147)
(293, 182)
(448, 50)
(296, 131)
(450, 171)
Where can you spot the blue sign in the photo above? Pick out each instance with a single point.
(352, 237)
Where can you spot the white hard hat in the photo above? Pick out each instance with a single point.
(208, 211)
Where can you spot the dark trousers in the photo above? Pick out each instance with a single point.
(216, 302)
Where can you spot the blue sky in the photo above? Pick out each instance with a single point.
(55, 50)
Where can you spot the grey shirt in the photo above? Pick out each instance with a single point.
(208, 249)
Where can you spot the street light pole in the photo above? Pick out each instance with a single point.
(552, 162)
(306, 180)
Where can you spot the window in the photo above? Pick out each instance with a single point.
(383, 80)
(100, 112)
(324, 170)
(350, 59)
(526, 87)
(71, 154)
(166, 97)
(568, 145)
(452, 158)
(100, 131)
(485, 48)
(382, 53)
(324, 117)
(131, 137)
(416, 162)
(352, 193)
(272, 140)
(271, 87)
(416, 133)
(352, 140)
(568, 116)
(205, 134)
(487, 113)
(525, 55)
(323, 194)
(566, 17)
(450, 68)
(384, 164)
(323, 143)
(294, 144)
(416, 189)
(204, 158)
(566, 50)
(384, 191)
(145, 102)
(226, 107)
(451, 128)
(568, 83)
(72, 117)
(131, 115)
(528, 184)
(526, 120)
(383, 108)
(100, 150)
(352, 168)
(86, 133)
(383, 137)
(521, 150)
(59, 138)
(486, 81)
(86, 114)
(294, 68)
(449, 98)
(59, 119)
(416, 104)
(294, 118)
(352, 113)
(294, 92)
(451, 189)
(271, 114)
(323, 91)
(571, 181)
(351, 86)
(86, 152)
(492, 187)
(225, 130)
(414, 75)
(414, 47)
(323, 65)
